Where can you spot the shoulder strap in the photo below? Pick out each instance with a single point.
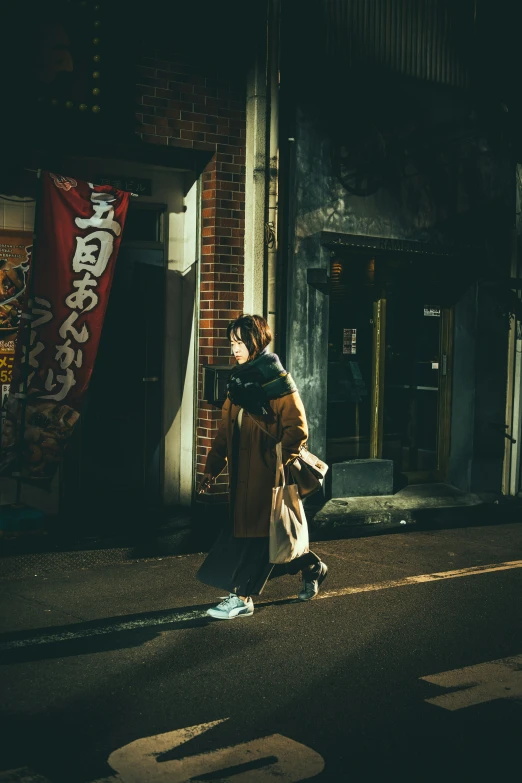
(280, 471)
(266, 431)
(260, 427)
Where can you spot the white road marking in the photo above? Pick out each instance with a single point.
(185, 617)
(264, 760)
(500, 679)
(84, 633)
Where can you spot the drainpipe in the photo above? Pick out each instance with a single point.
(516, 424)
(509, 444)
(512, 458)
(262, 167)
(273, 168)
(516, 430)
(256, 169)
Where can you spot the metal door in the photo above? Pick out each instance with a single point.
(414, 401)
(389, 368)
(114, 469)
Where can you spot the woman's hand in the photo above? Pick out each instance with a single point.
(204, 484)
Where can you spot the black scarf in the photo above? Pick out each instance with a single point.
(253, 383)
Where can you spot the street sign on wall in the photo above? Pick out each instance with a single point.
(138, 185)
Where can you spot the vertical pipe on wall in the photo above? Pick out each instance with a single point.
(256, 167)
(273, 168)
(286, 179)
(510, 386)
(516, 429)
(515, 483)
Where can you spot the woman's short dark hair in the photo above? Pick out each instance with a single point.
(254, 332)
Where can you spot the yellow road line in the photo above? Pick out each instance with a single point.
(199, 614)
(422, 579)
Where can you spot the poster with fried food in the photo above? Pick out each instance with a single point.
(15, 259)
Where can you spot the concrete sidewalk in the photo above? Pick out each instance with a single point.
(113, 592)
(408, 506)
(417, 507)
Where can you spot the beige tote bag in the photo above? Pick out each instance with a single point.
(288, 536)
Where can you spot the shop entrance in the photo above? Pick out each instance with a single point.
(112, 471)
(389, 383)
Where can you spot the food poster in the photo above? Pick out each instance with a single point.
(80, 230)
(15, 258)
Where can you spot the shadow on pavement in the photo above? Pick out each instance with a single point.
(97, 635)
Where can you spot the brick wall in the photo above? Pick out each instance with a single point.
(185, 105)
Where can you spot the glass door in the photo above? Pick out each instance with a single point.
(350, 358)
(389, 366)
(414, 404)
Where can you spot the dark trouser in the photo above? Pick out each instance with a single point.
(308, 564)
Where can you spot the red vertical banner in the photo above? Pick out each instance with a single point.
(79, 230)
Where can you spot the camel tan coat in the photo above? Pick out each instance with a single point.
(257, 459)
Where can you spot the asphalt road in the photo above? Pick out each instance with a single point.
(93, 663)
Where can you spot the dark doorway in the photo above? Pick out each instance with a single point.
(389, 365)
(113, 470)
(350, 344)
(413, 366)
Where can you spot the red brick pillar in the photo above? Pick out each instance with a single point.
(222, 282)
(180, 104)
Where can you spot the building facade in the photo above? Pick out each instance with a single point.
(401, 241)
(169, 125)
(349, 172)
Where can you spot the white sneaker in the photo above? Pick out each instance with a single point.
(232, 607)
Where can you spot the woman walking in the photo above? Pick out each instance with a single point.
(262, 407)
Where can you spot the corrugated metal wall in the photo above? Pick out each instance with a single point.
(424, 39)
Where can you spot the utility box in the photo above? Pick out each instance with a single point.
(362, 477)
(215, 379)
